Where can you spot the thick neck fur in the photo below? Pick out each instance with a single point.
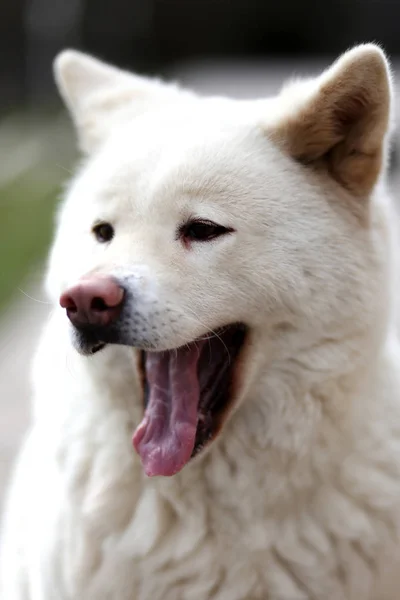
(305, 477)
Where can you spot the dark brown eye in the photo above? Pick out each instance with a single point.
(202, 231)
(104, 232)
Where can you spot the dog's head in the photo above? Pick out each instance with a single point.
(205, 231)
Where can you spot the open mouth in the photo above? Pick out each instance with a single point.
(188, 393)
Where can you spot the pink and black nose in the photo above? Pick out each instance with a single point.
(93, 301)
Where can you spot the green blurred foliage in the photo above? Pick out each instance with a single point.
(27, 208)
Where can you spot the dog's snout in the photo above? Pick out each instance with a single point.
(93, 301)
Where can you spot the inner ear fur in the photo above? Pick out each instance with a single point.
(343, 119)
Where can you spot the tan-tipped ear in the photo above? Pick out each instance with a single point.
(100, 96)
(341, 119)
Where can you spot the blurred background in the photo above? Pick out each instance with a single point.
(243, 48)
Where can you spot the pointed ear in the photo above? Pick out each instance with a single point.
(340, 120)
(100, 97)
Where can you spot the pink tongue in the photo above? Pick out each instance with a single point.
(166, 436)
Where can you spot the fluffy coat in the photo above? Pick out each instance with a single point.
(298, 498)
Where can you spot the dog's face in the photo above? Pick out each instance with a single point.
(200, 227)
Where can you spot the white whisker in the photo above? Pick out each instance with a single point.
(64, 169)
(32, 298)
(208, 337)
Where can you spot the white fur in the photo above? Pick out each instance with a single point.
(299, 496)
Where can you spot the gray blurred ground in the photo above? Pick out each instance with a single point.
(19, 331)
(21, 323)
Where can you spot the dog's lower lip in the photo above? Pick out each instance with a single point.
(98, 347)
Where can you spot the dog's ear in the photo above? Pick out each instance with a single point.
(341, 119)
(100, 96)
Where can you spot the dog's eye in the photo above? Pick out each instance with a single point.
(104, 232)
(202, 231)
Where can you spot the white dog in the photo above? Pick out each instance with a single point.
(229, 268)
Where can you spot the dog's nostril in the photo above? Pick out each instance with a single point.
(97, 304)
(68, 303)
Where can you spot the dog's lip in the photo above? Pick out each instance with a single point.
(98, 347)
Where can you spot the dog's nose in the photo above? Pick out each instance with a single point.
(93, 301)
